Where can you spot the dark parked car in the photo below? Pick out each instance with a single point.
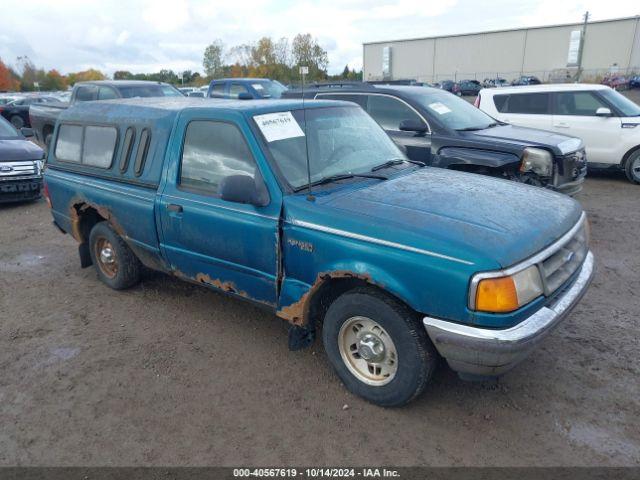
(634, 82)
(21, 164)
(245, 88)
(442, 130)
(17, 111)
(447, 85)
(43, 116)
(467, 87)
(526, 80)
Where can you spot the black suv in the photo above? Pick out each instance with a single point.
(440, 129)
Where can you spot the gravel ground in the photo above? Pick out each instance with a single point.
(173, 374)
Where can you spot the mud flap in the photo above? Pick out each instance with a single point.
(301, 337)
(85, 255)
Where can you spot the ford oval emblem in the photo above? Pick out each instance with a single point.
(6, 169)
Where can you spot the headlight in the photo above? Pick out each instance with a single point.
(508, 293)
(537, 161)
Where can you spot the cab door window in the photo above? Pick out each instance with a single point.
(582, 104)
(389, 112)
(213, 151)
(236, 89)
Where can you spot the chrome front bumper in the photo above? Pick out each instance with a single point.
(476, 351)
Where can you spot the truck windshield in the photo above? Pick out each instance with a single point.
(452, 111)
(622, 103)
(269, 88)
(340, 141)
(6, 129)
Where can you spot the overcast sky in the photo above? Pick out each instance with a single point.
(148, 35)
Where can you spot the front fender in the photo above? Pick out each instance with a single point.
(449, 156)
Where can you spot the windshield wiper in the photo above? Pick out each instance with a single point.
(473, 129)
(342, 176)
(397, 161)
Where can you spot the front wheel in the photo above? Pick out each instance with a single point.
(17, 122)
(378, 347)
(632, 167)
(116, 264)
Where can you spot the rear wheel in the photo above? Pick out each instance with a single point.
(378, 347)
(116, 264)
(632, 167)
(17, 121)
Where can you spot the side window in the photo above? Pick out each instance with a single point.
(500, 101)
(106, 93)
(127, 148)
(213, 151)
(235, 89)
(99, 146)
(359, 99)
(577, 103)
(217, 91)
(529, 103)
(69, 143)
(141, 154)
(86, 93)
(389, 112)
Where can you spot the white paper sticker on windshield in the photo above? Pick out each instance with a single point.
(439, 108)
(278, 126)
(257, 86)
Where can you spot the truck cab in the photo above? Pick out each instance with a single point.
(245, 88)
(309, 210)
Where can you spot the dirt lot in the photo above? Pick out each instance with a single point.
(173, 374)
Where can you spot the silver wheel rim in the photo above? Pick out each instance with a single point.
(635, 168)
(368, 351)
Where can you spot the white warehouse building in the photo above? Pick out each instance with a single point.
(550, 52)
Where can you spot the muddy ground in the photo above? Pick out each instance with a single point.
(173, 374)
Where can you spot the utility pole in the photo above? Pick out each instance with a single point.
(581, 49)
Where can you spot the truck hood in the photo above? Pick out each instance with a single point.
(13, 149)
(528, 137)
(478, 219)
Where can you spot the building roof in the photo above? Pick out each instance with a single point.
(576, 24)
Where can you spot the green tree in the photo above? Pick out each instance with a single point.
(53, 80)
(213, 57)
(122, 75)
(307, 52)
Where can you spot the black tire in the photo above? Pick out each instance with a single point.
(128, 267)
(416, 355)
(17, 121)
(632, 167)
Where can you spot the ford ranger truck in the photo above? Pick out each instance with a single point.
(311, 211)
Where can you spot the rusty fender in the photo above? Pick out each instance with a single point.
(298, 312)
(78, 205)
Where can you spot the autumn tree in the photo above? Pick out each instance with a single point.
(53, 80)
(7, 80)
(213, 57)
(307, 52)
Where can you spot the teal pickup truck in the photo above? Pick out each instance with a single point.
(312, 212)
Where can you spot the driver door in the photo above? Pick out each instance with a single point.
(223, 244)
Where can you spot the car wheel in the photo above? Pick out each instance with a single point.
(632, 167)
(17, 121)
(116, 264)
(378, 347)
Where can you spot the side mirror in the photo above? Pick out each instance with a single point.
(417, 126)
(603, 112)
(27, 132)
(243, 189)
(245, 96)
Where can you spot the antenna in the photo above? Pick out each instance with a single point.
(304, 70)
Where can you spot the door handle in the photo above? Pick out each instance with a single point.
(172, 207)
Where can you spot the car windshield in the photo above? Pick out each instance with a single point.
(269, 88)
(340, 141)
(452, 111)
(6, 129)
(148, 91)
(622, 103)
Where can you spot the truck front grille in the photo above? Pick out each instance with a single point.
(11, 170)
(557, 268)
